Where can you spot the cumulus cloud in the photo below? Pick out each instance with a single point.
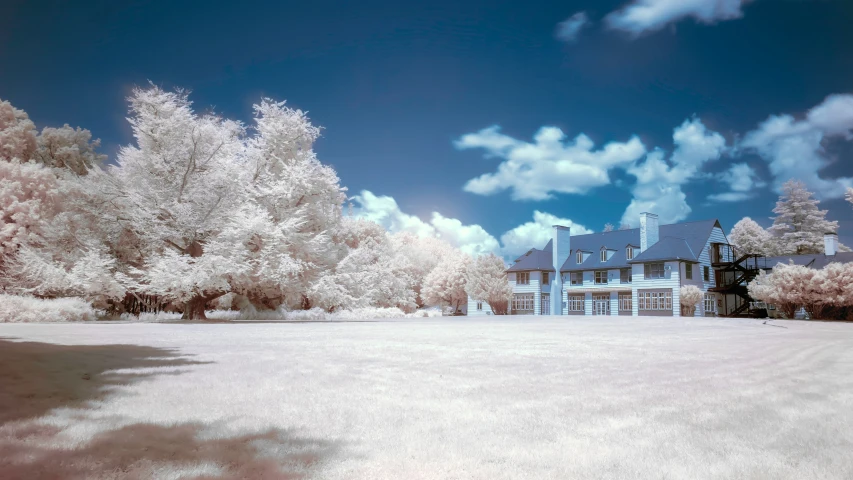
(536, 234)
(642, 16)
(569, 29)
(384, 210)
(550, 164)
(742, 181)
(795, 148)
(659, 182)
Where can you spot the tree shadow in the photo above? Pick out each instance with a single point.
(36, 378)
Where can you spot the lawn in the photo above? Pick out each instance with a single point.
(453, 397)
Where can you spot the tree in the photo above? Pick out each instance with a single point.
(17, 133)
(799, 226)
(423, 255)
(69, 149)
(787, 287)
(29, 198)
(178, 189)
(689, 296)
(748, 236)
(608, 227)
(445, 284)
(487, 282)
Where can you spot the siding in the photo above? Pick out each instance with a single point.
(670, 281)
(717, 236)
(472, 309)
(533, 288)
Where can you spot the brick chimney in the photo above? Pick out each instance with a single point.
(649, 230)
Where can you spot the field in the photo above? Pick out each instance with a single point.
(439, 398)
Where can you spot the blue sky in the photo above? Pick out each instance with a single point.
(462, 119)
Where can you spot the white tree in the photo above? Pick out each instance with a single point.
(445, 284)
(487, 281)
(689, 296)
(799, 226)
(17, 133)
(608, 227)
(748, 236)
(68, 148)
(423, 254)
(178, 190)
(786, 287)
(30, 197)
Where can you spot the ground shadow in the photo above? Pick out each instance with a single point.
(152, 451)
(36, 378)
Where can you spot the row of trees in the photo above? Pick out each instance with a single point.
(199, 209)
(798, 227)
(825, 293)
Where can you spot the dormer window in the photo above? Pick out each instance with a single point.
(580, 257)
(629, 253)
(603, 254)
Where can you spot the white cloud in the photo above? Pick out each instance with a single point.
(795, 148)
(742, 180)
(384, 210)
(569, 29)
(536, 234)
(533, 171)
(642, 16)
(658, 187)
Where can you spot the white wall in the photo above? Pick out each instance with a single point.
(671, 280)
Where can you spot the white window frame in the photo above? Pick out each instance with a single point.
(522, 278)
(603, 255)
(654, 301)
(629, 252)
(479, 305)
(579, 257)
(622, 277)
(706, 273)
(523, 302)
(576, 275)
(600, 277)
(710, 303)
(575, 303)
(688, 271)
(626, 303)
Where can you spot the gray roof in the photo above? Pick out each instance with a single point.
(692, 235)
(535, 260)
(668, 248)
(813, 260)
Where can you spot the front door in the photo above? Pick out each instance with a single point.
(601, 304)
(545, 304)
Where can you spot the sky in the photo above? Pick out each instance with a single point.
(485, 122)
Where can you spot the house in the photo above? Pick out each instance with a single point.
(623, 272)
(640, 271)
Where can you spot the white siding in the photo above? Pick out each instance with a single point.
(671, 280)
(717, 236)
(472, 309)
(533, 288)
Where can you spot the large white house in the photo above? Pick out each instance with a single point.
(638, 271)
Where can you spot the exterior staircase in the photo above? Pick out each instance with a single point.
(733, 271)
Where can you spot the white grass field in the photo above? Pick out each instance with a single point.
(451, 397)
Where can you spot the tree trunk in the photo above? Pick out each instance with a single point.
(194, 308)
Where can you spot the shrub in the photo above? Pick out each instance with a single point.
(21, 309)
(689, 296)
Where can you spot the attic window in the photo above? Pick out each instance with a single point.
(580, 257)
(629, 253)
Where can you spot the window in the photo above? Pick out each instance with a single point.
(522, 302)
(577, 278)
(710, 303)
(603, 254)
(625, 275)
(601, 277)
(575, 303)
(479, 305)
(706, 273)
(629, 253)
(579, 257)
(654, 300)
(545, 278)
(688, 271)
(625, 302)
(522, 278)
(653, 270)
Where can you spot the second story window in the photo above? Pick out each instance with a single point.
(577, 278)
(706, 273)
(629, 253)
(546, 278)
(601, 277)
(522, 278)
(688, 271)
(653, 270)
(579, 257)
(625, 275)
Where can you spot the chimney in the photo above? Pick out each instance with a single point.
(649, 231)
(830, 244)
(561, 247)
